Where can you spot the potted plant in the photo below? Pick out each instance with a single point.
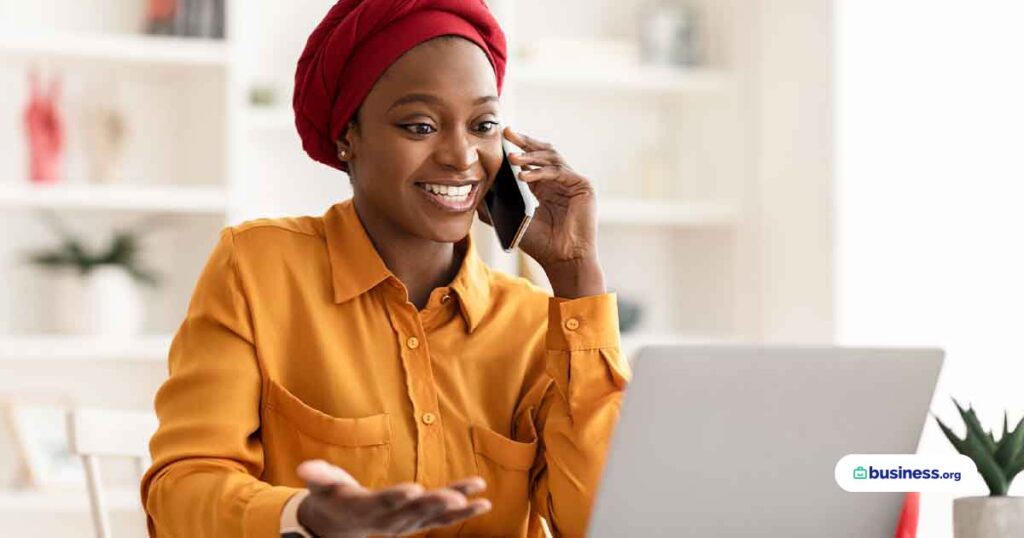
(999, 461)
(96, 292)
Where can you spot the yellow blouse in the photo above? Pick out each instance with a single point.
(299, 343)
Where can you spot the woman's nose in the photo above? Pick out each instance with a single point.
(458, 151)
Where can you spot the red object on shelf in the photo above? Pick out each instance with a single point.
(44, 129)
(161, 10)
(907, 526)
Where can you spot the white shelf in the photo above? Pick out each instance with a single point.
(270, 118)
(147, 348)
(142, 49)
(70, 500)
(640, 212)
(187, 199)
(627, 77)
(631, 342)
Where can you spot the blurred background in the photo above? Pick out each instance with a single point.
(810, 171)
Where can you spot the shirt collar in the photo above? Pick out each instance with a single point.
(356, 267)
(473, 285)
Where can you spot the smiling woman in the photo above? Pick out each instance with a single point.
(365, 372)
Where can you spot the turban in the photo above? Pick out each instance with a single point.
(357, 41)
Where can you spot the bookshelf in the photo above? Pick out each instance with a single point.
(90, 349)
(70, 47)
(173, 199)
(173, 94)
(205, 157)
(249, 154)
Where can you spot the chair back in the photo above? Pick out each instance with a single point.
(96, 433)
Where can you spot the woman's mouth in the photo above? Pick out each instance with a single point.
(450, 198)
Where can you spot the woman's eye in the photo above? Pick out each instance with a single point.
(488, 126)
(419, 128)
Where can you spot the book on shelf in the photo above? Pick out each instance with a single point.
(191, 18)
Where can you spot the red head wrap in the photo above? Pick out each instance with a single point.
(357, 41)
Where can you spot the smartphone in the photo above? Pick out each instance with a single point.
(509, 202)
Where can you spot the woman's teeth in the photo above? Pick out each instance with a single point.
(449, 192)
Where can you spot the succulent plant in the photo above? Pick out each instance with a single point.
(72, 252)
(998, 461)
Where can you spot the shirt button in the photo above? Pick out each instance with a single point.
(429, 418)
(413, 342)
(572, 324)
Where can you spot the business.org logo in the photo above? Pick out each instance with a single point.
(905, 472)
(899, 473)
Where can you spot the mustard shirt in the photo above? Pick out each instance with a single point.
(299, 343)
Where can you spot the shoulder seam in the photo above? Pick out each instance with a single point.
(253, 225)
(260, 367)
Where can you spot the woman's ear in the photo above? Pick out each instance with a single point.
(345, 144)
(344, 150)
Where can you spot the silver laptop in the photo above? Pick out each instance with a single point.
(743, 441)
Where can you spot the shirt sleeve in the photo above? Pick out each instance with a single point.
(290, 515)
(207, 453)
(579, 407)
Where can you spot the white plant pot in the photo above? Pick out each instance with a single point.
(988, 517)
(105, 302)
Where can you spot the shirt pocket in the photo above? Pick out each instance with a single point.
(294, 432)
(505, 464)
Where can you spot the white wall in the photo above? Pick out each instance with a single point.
(931, 134)
(790, 262)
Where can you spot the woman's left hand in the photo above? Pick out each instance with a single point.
(563, 234)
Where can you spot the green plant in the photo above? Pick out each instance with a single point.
(123, 251)
(998, 461)
(630, 312)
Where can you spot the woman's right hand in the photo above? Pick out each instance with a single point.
(339, 507)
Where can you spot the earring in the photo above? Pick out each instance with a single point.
(343, 154)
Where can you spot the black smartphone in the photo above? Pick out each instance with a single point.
(509, 202)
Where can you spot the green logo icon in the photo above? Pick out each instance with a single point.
(860, 473)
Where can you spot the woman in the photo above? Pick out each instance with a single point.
(364, 372)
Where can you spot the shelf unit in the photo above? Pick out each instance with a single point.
(641, 212)
(621, 78)
(114, 48)
(632, 342)
(177, 199)
(88, 349)
(270, 118)
(676, 246)
(262, 155)
(174, 94)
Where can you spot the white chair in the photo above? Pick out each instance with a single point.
(95, 433)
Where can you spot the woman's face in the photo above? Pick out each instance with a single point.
(429, 124)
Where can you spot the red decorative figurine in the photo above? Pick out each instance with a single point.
(45, 130)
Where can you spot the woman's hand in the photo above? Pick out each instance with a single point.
(563, 234)
(338, 507)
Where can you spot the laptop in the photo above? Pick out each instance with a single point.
(743, 441)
